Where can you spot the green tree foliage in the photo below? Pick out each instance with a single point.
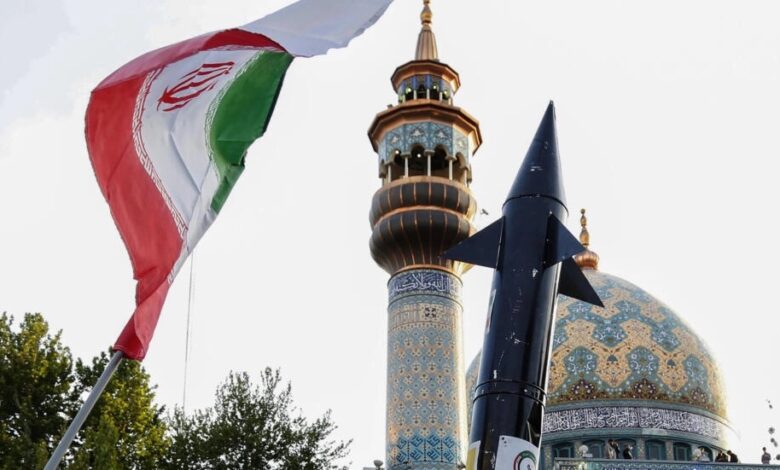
(99, 449)
(40, 393)
(37, 397)
(125, 429)
(249, 427)
(189, 437)
(253, 426)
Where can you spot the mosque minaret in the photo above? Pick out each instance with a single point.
(424, 206)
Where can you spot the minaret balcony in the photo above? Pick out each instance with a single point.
(416, 219)
(426, 87)
(413, 71)
(425, 123)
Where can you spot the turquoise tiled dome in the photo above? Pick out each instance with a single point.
(636, 348)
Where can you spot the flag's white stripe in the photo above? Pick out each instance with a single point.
(174, 138)
(143, 155)
(311, 27)
(202, 218)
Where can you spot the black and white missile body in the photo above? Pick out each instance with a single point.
(531, 252)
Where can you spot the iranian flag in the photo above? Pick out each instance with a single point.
(167, 134)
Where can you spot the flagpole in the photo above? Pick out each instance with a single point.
(86, 408)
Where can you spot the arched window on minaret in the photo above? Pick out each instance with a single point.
(395, 166)
(439, 162)
(421, 92)
(417, 161)
(408, 93)
(435, 92)
(397, 159)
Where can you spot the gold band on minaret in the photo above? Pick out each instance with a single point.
(587, 259)
(426, 41)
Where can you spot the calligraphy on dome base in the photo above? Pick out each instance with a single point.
(633, 417)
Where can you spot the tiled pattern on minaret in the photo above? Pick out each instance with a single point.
(430, 135)
(426, 403)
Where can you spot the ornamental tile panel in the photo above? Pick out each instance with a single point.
(424, 281)
(461, 144)
(441, 135)
(428, 134)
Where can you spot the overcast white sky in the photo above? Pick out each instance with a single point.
(668, 121)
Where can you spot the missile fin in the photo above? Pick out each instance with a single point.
(574, 284)
(482, 248)
(561, 244)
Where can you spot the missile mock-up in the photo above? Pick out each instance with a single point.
(531, 251)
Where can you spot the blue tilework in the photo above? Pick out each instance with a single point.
(424, 281)
(425, 402)
(427, 134)
(639, 349)
(634, 349)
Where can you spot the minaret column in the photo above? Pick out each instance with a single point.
(425, 390)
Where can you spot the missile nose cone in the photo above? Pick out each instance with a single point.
(540, 173)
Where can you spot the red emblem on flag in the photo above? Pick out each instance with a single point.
(192, 85)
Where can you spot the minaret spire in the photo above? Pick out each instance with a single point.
(426, 41)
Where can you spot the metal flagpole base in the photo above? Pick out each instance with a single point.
(86, 408)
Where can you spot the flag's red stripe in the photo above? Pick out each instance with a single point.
(137, 333)
(233, 38)
(139, 210)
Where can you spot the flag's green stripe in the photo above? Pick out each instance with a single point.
(242, 116)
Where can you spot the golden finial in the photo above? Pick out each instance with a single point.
(427, 15)
(584, 235)
(426, 42)
(587, 259)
